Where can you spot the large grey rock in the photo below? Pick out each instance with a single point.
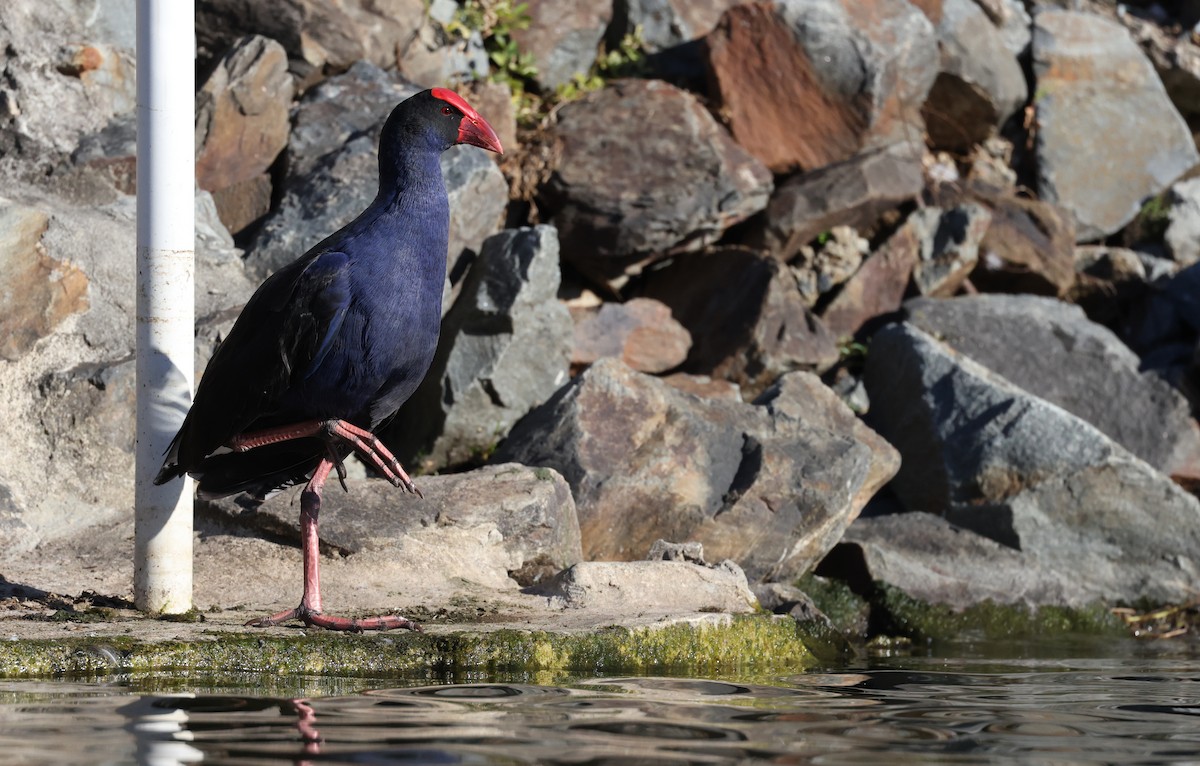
(69, 397)
(1051, 350)
(934, 561)
(980, 84)
(748, 312)
(60, 81)
(333, 173)
(990, 457)
(484, 525)
(770, 485)
(1140, 143)
(620, 190)
(562, 38)
(803, 84)
(505, 348)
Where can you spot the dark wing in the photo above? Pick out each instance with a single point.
(282, 334)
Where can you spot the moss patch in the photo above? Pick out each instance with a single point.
(921, 621)
(753, 644)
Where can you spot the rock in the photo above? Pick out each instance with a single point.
(242, 114)
(1117, 100)
(478, 526)
(620, 190)
(108, 159)
(220, 274)
(877, 289)
(849, 85)
(933, 561)
(39, 290)
(665, 24)
(244, 202)
(505, 348)
(436, 57)
(562, 38)
(704, 386)
(770, 485)
(319, 37)
(1176, 58)
(1042, 338)
(662, 550)
(1182, 237)
(333, 173)
(641, 332)
(651, 587)
(988, 456)
(820, 269)
(59, 84)
(339, 109)
(1013, 22)
(949, 246)
(979, 85)
(1108, 282)
(749, 312)
(853, 193)
(1028, 247)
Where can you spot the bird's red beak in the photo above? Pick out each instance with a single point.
(476, 132)
(473, 129)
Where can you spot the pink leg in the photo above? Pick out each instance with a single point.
(365, 443)
(309, 611)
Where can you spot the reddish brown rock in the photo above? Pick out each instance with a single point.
(641, 332)
(877, 288)
(242, 114)
(243, 202)
(38, 291)
(771, 485)
(857, 72)
(1028, 248)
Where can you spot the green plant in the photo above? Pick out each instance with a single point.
(628, 59)
(496, 20)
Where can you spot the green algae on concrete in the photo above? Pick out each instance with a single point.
(755, 644)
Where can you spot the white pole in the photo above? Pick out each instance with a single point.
(166, 172)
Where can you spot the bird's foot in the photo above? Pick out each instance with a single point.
(371, 449)
(328, 622)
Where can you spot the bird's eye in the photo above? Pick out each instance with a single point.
(447, 111)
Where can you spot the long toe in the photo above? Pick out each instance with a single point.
(275, 619)
(386, 622)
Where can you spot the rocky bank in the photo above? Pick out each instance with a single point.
(888, 299)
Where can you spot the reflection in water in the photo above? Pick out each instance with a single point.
(1144, 714)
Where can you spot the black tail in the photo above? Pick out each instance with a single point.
(259, 471)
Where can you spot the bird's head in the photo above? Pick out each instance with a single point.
(435, 119)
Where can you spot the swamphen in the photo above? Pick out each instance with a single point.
(330, 346)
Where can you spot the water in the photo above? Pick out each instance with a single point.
(1136, 708)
